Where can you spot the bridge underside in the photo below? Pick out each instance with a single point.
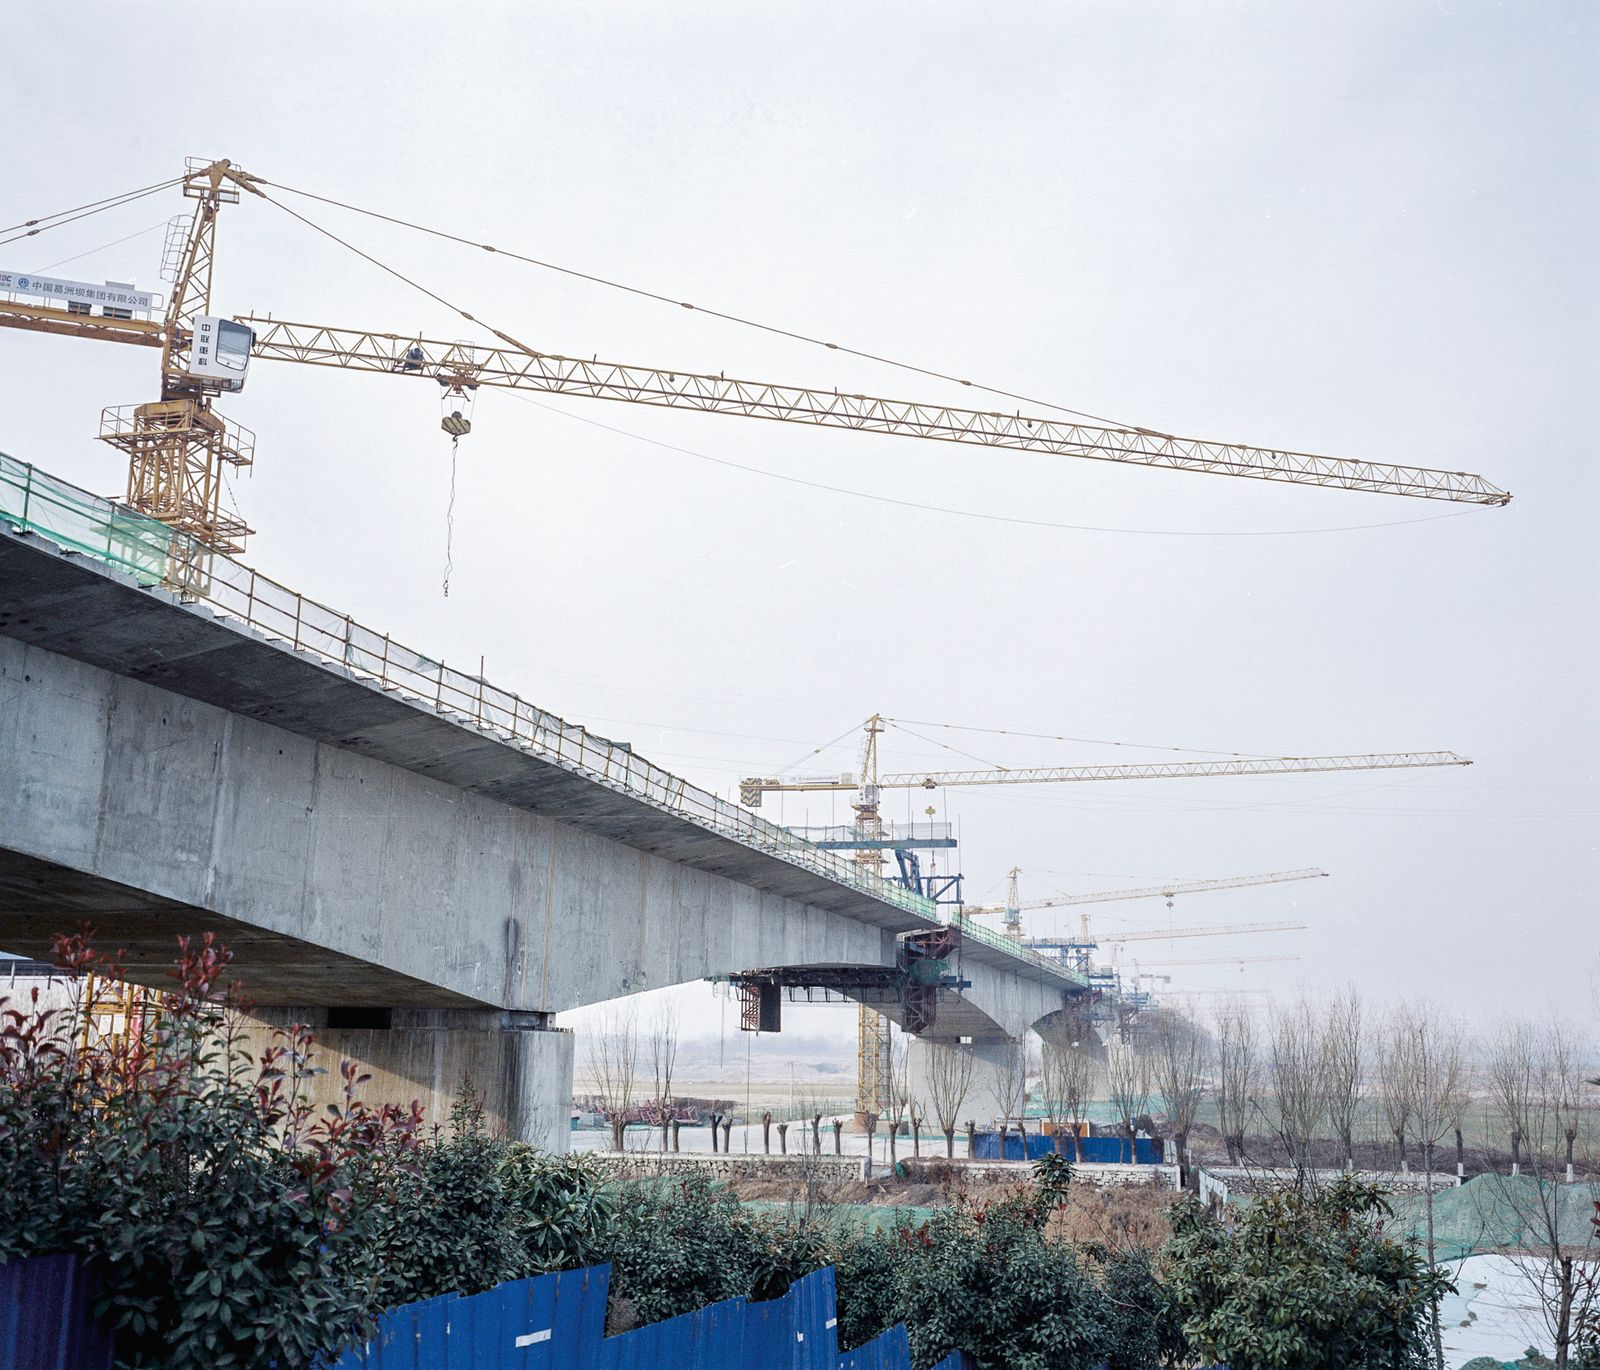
(39, 899)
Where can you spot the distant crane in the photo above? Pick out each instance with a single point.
(1015, 907)
(868, 784)
(1214, 961)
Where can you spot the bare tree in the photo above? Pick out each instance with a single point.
(1510, 1078)
(949, 1080)
(1009, 1076)
(1433, 1058)
(1344, 1068)
(1179, 1058)
(613, 1060)
(1533, 1074)
(1294, 1053)
(1128, 1083)
(1051, 1092)
(1395, 1083)
(1238, 1072)
(663, 1060)
(896, 1083)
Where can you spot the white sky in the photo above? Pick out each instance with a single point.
(1363, 229)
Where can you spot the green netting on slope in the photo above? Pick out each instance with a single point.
(33, 501)
(1494, 1211)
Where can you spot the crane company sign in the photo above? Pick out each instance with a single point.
(77, 292)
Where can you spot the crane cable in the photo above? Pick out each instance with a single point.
(1059, 737)
(523, 347)
(34, 227)
(713, 313)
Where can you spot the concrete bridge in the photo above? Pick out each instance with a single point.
(422, 866)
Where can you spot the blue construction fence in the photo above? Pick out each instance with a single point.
(557, 1322)
(1091, 1150)
(47, 1319)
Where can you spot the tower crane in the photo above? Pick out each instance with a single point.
(179, 448)
(1015, 907)
(868, 783)
(1212, 961)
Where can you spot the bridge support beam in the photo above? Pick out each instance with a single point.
(519, 1066)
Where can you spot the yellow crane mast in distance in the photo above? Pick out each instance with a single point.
(179, 449)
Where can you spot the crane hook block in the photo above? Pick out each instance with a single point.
(455, 424)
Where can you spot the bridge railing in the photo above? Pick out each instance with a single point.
(156, 555)
(976, 932)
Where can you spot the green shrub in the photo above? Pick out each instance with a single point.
(1304, 1281)
(218, 1213)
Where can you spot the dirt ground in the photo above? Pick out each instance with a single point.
(1119, 1217)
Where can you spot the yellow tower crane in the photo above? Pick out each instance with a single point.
(179, 448)
(868, 784)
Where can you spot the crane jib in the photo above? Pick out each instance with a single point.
(511, 368)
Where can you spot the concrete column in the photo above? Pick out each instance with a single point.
(521, 1067)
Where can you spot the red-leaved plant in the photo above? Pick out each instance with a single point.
(229, 1222)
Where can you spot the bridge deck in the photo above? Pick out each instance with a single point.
(82, 577)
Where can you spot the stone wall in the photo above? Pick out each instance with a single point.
(638, 1165)
(933, 1171)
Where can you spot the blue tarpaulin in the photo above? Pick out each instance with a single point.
(1091, 1150)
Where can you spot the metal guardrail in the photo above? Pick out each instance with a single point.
(156, 555)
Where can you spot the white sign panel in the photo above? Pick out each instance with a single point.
(79, 292)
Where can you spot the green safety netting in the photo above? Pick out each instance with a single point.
(1491, 1212)
(71, 518)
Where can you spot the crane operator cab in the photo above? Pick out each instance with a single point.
(219, 352)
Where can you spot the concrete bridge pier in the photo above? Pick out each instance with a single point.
(518, 1064)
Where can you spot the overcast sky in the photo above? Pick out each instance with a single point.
(1360, 229)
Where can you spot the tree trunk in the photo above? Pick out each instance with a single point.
(894, 1132)
(816, 1133)
(1438, 1332)
(716, 1122)
(766, 1134)
(666, 1123)
(1233, 1149)
(677, 1124)
(1571, 1136)
(1004, 1129)
(727, 1135)
(1400, 1139)
(1077, 1146)
(1564, 1315)
(972, 1139)
(838, 1130)
(1516, 1152)
(1349, 1150)
(1461, 1156)
(616, 1132)
(783, 1138)
(916, 1137)
(950, 1142)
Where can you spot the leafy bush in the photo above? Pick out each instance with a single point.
(228, 1225)
(472, 1211)
(1304, 1281)
(217, 1212)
